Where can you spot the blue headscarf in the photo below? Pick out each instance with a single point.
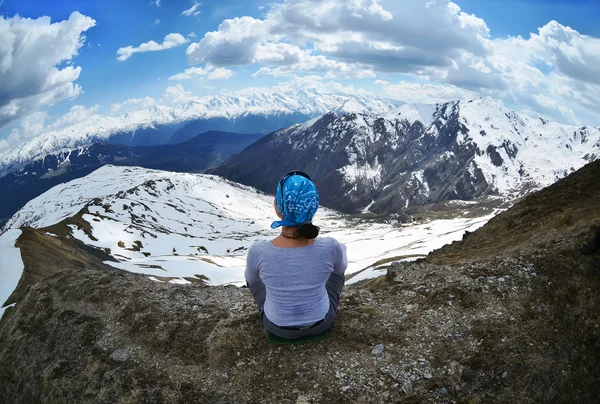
(300, 201)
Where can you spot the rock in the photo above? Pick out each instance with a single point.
(345, 389)
(225, 375)
(120, 355)
(444, 391)
(427, 375)
(377, 350)
(302, 400)
(386, 395)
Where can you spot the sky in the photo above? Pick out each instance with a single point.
(63, 61)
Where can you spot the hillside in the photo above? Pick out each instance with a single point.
(566, 209)
(195, 155)
(517, 324)
(418, 154)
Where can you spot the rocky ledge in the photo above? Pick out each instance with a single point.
(519, 328)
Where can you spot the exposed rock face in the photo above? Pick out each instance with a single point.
(416, 155)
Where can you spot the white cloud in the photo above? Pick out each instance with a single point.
(190, 73)
(209, 72)
(220, 73)
(30, 52)
(77, 113)
(130, 105)
(424, 93)
(422, 47)
(177, 95)
(171, 41)
(156, 3)
(192, 35)
(156, 22)
(192, 10)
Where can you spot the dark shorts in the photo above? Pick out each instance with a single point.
(334, 287)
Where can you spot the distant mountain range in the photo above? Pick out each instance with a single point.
(247, 111)
(418, 154)
(195, 155)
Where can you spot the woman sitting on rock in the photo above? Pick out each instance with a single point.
(296, 279)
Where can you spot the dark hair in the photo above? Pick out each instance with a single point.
(308, 230)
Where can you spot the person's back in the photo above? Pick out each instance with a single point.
(296, 279)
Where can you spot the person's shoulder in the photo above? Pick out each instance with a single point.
(329, 241)
(258, 245)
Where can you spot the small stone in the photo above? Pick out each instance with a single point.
(377, 350)
(427, 375)
(302, 400)
(385, 395)
(120, 355)
(345, 389)
(337, 374)
(225, 375)
(444, 391)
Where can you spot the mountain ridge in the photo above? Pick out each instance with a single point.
(386, 163)
(195, 155)
(160, 122)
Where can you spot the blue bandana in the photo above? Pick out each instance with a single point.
(300, 203)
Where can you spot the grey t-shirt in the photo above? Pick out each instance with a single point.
(295, 278)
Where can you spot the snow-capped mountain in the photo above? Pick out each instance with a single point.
(195, 155)
(418, 154)
(180, 227)
(247, 111)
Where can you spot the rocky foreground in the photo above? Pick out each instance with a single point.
(518, 324)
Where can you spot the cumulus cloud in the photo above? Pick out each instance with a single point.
(130, 105)
(31, 51)
(35, 124)
(170, 41)
(220, 74)
(424, 93)
(176, 95)
(421, 48)
(192, 10)
(199, 72)
(363, 34)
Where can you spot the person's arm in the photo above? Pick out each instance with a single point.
(340, 262)
(251, 273)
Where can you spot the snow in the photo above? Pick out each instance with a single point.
(176, 227)
(413, 112)
(265, 102)
(11, 265)
(407, 243)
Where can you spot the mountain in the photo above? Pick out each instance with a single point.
(182, 227)
(241, 111)
(501, 326)
(418, 154)
(195, 155)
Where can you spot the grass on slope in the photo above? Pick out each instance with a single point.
(570, 207)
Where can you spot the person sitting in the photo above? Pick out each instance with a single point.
(296, 279)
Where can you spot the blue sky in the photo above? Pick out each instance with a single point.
(425, 51)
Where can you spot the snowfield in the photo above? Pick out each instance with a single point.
(11, 265)
(178, 227)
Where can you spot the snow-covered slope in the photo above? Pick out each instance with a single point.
(420, 154)
(183, 227)
(256, 102)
